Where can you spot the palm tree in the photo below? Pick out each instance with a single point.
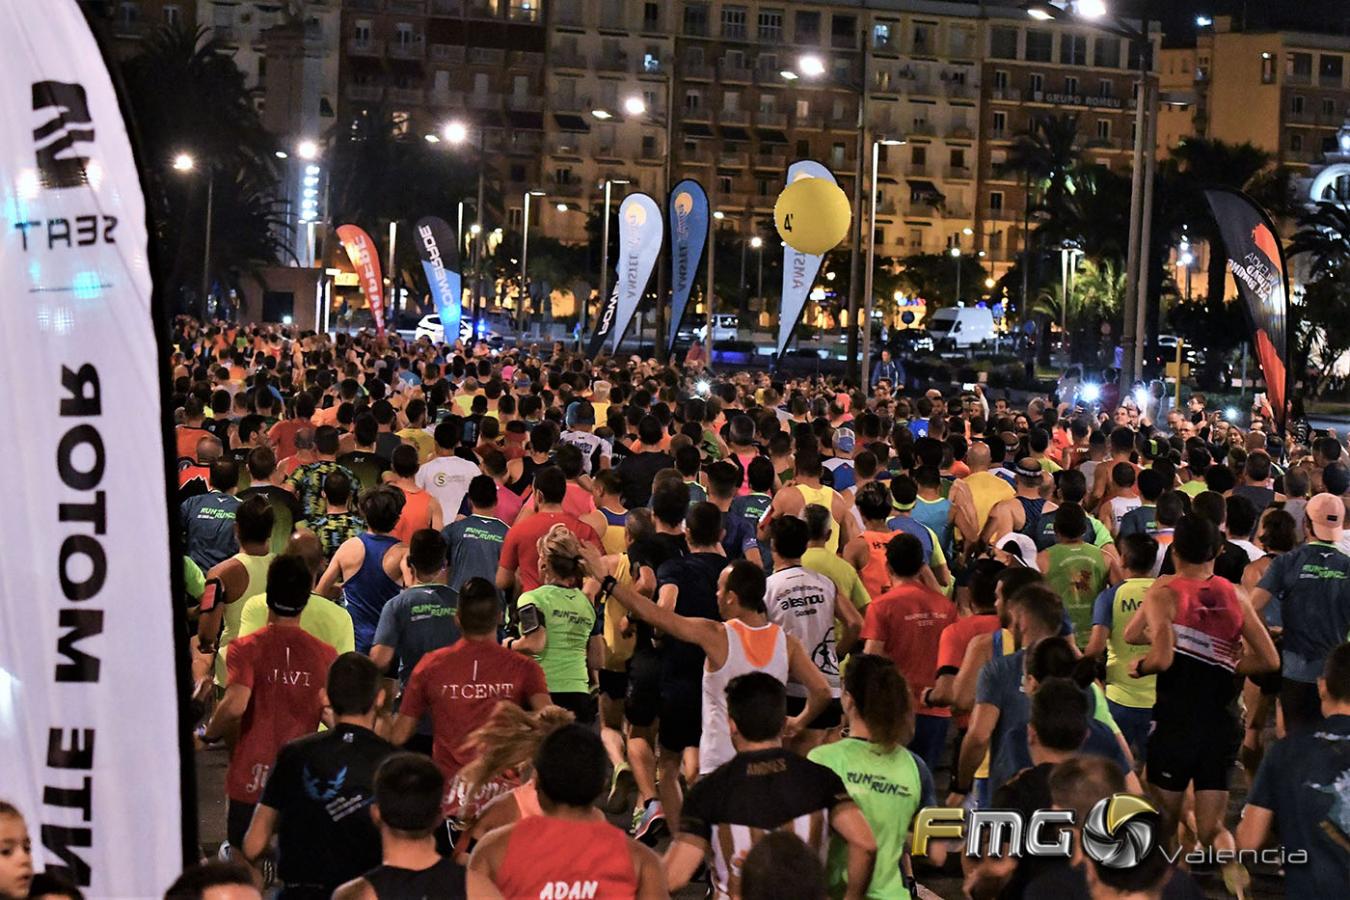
(1048, 154)
(187, 96)
(1324, 234)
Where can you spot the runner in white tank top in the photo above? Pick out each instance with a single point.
(749, 649)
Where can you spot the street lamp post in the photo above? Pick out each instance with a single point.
(184, 162)
(866, 367)
(757, 244)
(525, 248)
(456, 133)
(718, 216)
(956, 255)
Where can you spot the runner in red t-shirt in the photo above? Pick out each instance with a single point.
(519, 564)
(957, 636)
(906, 624)
(276, 680)
(570, 850)
(459, 685)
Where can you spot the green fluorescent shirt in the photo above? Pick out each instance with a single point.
(1077, 572)
(569, 620)
(889, 787)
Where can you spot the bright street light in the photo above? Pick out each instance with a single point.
(811, 66)
(989, 283)
(967, 230)
(719, 215)
(475, 229)
(184, 162)
(955, 251)
(756, 242)
(1091, 9)
(535, 193)
(788, 75)
(635, 106)
(307, 149)
(455, 132)
(432, 139)
(602, 114)
(1203, 21)
(281, 154)
(561, 207)
(1039, 13)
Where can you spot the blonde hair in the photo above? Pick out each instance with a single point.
(508, 739)
(560, 555)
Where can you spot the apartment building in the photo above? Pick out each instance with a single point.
(131, 22)
(428, 62)
(608, 91)
(1047, 69)
(1286, 92)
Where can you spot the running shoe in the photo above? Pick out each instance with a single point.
(649, 823)
(622, 790)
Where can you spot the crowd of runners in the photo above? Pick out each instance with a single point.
(455, 613)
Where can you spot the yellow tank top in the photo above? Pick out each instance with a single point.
(823, 496)
(986, 490)
(618, 648)
(256, 567)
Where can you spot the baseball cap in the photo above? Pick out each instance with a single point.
(580, 412)
(844, 440)
(1023, 548)
(1326, 514)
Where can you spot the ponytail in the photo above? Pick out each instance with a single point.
(882, 697)
(507, 740)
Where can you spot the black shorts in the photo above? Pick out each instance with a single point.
(830, 718)
(237, 818)
(642, 704)
(681, 718)
(614, 685)
(1269, 682)
(1301, 705)
(1197, 752)
(580, 705)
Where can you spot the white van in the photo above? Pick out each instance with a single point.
(962, 327)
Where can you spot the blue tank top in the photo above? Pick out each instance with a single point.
(369, 589)
(617, 519)
(1032, 510)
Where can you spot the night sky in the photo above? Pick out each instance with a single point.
(1325, 16)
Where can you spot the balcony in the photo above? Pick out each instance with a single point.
(734, 74)
(364, 93)
(523, 11)
(1000, 215)
(445, 98)
(573, 104)
(134, 28)
(447, 7)
(569, 14)
(774, 161)
(733, 117)
(486, 56)
(733, 160)
(567, 59)
(651, 154)
(364, 47)
(888, 47)
(916, 170)
(652, 66)
(570, 190)
(848, 119)
(697, 72)
(1304, 116)
(566, 145)
(608, 152)
(696, 114)
(525, 103)
(406, 96)
(960, 132)
(414, 49)
(612, 62)
(771, 119)
(416, 7)
(699, 157)
(485, 101)
(1005, 93)
(525, 59)
(812, 121)
(957, 90)
(449, 54)
(887, 208)
(922, 128)
(959, 173)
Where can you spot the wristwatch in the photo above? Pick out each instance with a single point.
(607, 585)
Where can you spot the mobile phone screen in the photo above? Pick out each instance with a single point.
(211, 596)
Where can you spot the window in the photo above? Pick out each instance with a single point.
(520, 86)
(725, 185)
(837, 108)
(480, 84)
(808, 28)
(1071, 85)
(651, 16)
(767, 103)
(1003, 42)
(1036, 83)
(648, 145)
(996, 201)
(1267, 68)
(1328, 106)
(1296, 142)
(1000, 125)
(837, 154)
(770, 24)
(923, 38)
(517, 172)
(651, 60)
(881, 36)
(879, 236)
(803, 148)
(693, 100)
(360, 30)
(173, 15)
(1073, 49)
(513, 217)
(764, 187)
(1106, 52)
(1296, 104)
(1103, 129)
(731, 101)
(403, 34)
(1299, 67)
(958, 158)
(803, 108)
(1105, 87)
(843, 31)
(918, 155)
(960, 41)
(767, 63)
(996, 237)
(1329, 70)
(1039, 45)
(696, 19)
(1001, 79)
(1328, 143)
(733, 22)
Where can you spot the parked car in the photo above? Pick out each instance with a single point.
(962, 327)
(911, 342)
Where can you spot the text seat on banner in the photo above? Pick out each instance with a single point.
(89, 694)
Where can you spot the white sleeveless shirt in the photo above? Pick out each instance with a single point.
(749, 649)
(802, 602)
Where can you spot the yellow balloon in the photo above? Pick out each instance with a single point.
(812, 215)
